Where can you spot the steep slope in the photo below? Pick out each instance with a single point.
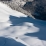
(33, 8)
(18, 29)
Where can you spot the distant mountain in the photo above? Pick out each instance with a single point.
(35, 7)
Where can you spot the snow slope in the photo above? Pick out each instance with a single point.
(17, 29)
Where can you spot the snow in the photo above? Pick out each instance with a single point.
(17, 29)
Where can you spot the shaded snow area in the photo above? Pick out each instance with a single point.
(17, 29)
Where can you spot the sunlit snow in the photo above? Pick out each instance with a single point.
(18, 28)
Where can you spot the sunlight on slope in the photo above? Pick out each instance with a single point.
(5, 11)
(18, 31)
(32, 41)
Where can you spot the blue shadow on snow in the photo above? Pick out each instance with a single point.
(37, 23)
(9, 42)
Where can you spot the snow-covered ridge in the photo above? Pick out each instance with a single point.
(29, 7)
(6, 10)
(22, 26)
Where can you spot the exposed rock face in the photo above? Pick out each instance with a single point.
(37, 8)
(33, 8)
(17, 5)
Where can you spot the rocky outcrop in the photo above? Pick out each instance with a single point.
(17, 5)
(37, 8)
(33, 8)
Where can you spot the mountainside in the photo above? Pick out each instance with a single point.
(33, 8)
(18, 29)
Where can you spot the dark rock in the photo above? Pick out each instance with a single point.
(37, 9)
(33, 8)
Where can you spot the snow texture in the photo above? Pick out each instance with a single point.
(17, 29)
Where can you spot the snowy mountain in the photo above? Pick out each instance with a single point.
(33, 8)
(18, 29)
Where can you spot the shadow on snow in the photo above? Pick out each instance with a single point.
(9, 42)
(37, 23)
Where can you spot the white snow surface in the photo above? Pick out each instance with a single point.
(22, 28)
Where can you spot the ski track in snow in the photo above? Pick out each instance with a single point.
(23, 29)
